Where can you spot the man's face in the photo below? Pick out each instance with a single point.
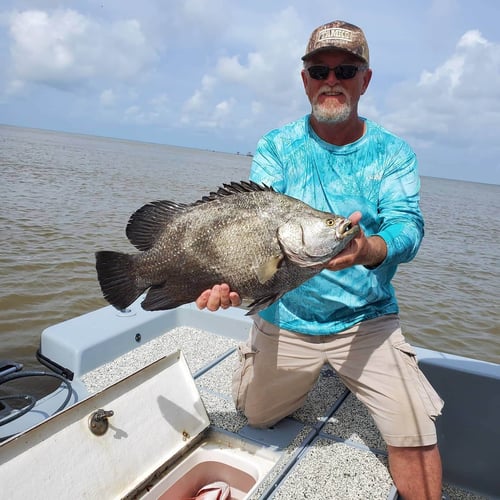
(333, 99)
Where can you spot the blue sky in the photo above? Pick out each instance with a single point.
(218, 74)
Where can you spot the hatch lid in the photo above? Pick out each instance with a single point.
(157, 413)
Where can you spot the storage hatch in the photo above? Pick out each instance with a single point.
(146, 421)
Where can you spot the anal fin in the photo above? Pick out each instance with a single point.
(262, 303)
(161, 298)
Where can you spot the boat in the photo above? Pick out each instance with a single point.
(144, 410)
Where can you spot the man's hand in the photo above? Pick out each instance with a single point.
(220, 296)
(361, 250)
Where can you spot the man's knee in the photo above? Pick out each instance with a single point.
(259, 422)
(264, 416)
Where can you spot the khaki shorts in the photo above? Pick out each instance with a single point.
(277, 368)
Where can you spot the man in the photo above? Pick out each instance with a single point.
(337, 161)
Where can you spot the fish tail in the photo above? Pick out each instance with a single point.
(114, 272)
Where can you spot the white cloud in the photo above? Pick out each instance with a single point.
(154, 112)
(64, 48)
(272, 68)
(223, 108)
(198, 102)
(448, 97)
(138, 116)
(454, 109)
(220, 74)
(267, 75)
(230, 69)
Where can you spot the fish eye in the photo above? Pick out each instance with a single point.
(330, 222)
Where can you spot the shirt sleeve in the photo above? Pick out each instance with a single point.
(401, 222)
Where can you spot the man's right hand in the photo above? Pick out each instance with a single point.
(220, 296)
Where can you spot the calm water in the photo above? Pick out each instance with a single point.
(65, 196)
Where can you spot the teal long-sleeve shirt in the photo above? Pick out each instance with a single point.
(376, 175)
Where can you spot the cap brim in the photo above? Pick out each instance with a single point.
(332, 49)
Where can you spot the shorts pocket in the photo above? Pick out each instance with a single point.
(243, 375)
(431, 400)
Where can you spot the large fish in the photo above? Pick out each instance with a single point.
(262, 243)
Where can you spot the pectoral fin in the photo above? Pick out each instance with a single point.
(268, 269)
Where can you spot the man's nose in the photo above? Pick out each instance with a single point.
(331, 78)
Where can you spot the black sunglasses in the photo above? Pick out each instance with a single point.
(342, 71)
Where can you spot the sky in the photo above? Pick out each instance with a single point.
(219, 74)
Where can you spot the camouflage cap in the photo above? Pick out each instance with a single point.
(338, 35)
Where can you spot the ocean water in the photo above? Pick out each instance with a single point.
(64, 196)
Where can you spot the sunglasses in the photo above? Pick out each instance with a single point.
(342, 71)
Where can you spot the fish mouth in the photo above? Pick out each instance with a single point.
(345, 228)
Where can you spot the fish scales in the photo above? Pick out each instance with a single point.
(262, 243)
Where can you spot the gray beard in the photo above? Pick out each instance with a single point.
(337, 115)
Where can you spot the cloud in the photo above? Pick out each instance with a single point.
(453, 90)
(265, 76)
(65, 48)
(220, 74)
(154, 111)
(197, 101)
(453, 110)
(138, 115)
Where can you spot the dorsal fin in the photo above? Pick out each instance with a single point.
(235, 188)
(145, 225)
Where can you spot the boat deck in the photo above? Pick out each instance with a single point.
(330, 447)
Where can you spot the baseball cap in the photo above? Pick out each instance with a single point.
(338, 35)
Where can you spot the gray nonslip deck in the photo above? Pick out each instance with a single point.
(330, 448)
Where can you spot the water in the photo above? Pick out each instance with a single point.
(64, 196)
(449, 293)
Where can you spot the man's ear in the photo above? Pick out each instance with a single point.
(366, 80)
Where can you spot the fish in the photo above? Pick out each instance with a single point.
(260, 242)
